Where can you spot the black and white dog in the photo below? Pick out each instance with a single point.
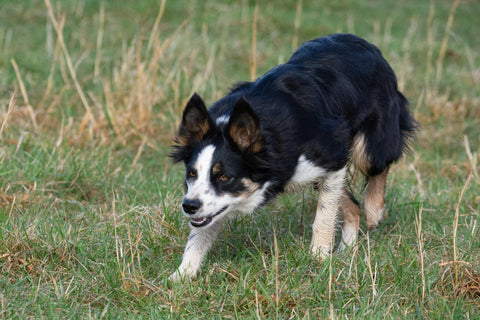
(335, 102)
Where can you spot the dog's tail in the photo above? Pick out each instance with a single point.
(407, 124)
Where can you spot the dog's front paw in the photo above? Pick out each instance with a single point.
(182, 275)
(177, 276)
(320, 252)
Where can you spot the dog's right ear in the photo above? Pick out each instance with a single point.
(196, 122)
(243, 128)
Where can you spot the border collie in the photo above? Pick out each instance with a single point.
(334, 103)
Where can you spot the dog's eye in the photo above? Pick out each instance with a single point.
(224, 177)
(192, 173)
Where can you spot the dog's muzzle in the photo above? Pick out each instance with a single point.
(191, 206)
(202, 221)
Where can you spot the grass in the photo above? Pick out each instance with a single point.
(89, 202)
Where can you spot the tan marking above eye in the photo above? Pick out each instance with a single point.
(217, 168)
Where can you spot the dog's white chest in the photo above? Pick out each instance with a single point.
(306, 172)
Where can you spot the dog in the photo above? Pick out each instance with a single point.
(335, 103)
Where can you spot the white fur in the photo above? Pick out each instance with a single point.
(247, 205)
(349, 236)
(199, 242)
(305, 172)
(373, 214)
(201, 188)
(326, 216)
(203, 164)
(222, 119)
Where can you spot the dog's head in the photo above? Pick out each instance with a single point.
(220, 156)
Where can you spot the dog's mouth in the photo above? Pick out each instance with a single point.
(204, 221)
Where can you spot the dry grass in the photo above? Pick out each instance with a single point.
(125, 110)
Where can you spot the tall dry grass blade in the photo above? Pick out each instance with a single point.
(471, 157)
(11, 104)
(253, 55)
(443, 47)
(258, 306)
(56, 54)
(142, 114)
(370, 269)
(140, 272)
(421, 190)
(407, 41)
(137, 156)
(455, 226)
(331, 309)
(277, 290)
(166, 43)
(133, 270)
(71, 68)
(110, 112)
(387, 32)
(98, 56)
(60, 134)
(420, 102)
(118, 245)
(418, 220)
(49, 46)
(350, 23)
(428, 63)
(298, 18)
(11, 210)
(24, 93)
(156, 24)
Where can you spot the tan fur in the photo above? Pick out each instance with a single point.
(246, 137)
(216, 169)
(195, 133)
(359, 154)
(374, 201)
(251, 187)
(351, 220)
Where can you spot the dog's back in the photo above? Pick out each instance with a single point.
(349, 67)
(335, 96)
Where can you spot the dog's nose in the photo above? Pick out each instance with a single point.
(191, 206)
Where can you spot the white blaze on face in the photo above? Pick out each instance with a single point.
(216, 205)
(202, 189)
(202, 182)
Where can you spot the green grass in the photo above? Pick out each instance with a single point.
(89, 202)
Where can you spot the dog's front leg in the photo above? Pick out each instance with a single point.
(329, 198)
(198, 244)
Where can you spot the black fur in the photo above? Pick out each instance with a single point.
(331, 89)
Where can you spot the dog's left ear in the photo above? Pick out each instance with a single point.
(196, 122)
(243, 128)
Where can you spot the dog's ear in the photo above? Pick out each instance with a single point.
(243, 128)
(196, 122)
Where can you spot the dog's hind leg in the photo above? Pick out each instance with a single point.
(351, 220)
(331, 192)
(198, 244)
(374, 200)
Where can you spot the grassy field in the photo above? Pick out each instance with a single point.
(91, 94)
